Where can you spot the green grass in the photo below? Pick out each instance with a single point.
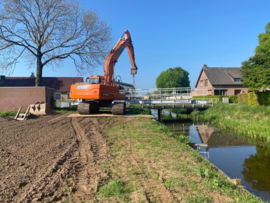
(154, 141)
(137, 109)
(252, 121)
(8, 113)
(115, 189)
(198, 199)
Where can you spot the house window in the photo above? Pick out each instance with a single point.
(220, 92)
(57, 96)
(206, 83)
(201, 83)
(236, 92)
(237, 80)
(68, 95)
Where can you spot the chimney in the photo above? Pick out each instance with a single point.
(204, 66)
(32, 75)
(2, 79)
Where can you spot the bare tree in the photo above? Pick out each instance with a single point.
(46, 31)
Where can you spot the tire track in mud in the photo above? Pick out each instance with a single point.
(92, 152)
(30, 121)
(48, 179)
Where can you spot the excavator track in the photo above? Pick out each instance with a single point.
(119, 109)
(88, 107)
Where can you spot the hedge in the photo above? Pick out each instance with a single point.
(232, 98)
(255, 98)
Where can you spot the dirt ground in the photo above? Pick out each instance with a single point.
(49, 158)
(57, 158)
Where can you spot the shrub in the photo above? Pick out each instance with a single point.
(232, 98)
(255, 98)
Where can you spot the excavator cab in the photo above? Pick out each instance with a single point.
(96, 79)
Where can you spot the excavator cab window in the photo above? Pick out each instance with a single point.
(94, 81)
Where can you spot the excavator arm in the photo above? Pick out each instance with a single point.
(113, 56)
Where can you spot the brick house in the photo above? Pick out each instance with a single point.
(220, 81)
(61, 85)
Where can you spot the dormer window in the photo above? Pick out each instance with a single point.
(237, 80)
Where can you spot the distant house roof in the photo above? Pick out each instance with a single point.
(60, 84)
(221, 76)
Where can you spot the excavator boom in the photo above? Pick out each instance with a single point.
(115, 53)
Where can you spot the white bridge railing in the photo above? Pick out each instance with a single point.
(159, 94)
(167, 95)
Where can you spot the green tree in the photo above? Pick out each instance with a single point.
(256, 70)
(173, 77)
(264, 41)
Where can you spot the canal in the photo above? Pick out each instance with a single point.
(235, 156)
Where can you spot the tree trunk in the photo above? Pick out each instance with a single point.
(39, 70)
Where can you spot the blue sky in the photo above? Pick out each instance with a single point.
(173, 33)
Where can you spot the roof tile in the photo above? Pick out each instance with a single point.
(223, 76)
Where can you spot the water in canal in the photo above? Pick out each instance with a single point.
(235, 156)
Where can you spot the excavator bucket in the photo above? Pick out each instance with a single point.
(39, 109)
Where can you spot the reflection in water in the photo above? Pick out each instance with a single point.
(169, 114)
(232, 154)
(257, 170)
(215, 138)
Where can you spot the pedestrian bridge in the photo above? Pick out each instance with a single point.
(173, 96)
(168, 98)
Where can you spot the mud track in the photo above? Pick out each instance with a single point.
(51, 159)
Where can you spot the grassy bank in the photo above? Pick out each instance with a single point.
(252, 121)
(136, 109)
(150, 164)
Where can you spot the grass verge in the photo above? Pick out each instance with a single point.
(8, 113)
(252, 121)
(152, 164)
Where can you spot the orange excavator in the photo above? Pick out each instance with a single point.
(101, 91)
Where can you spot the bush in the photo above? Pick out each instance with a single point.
(264, 98)
(232, 98)
(255, 98)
